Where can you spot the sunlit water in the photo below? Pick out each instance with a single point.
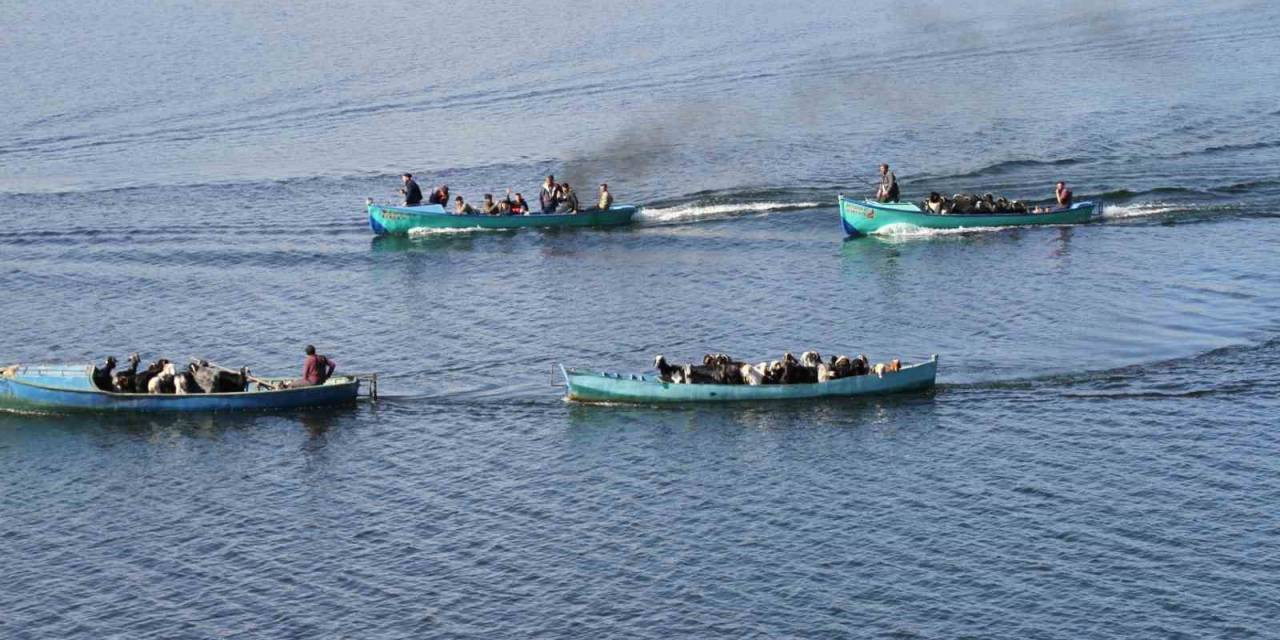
(1099, 459)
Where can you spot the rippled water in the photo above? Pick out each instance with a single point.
(1099, 459)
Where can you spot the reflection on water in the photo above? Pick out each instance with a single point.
(159, 428)
(781, 415)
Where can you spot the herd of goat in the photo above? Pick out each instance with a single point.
(162, 376)
(718, 368)
(972, 203)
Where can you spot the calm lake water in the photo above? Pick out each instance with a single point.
(1098, 460)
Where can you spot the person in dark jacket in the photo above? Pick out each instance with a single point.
(412, 194)
(568, 198)
(549, 197)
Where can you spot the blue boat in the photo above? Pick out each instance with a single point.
(604, 387)
(60, 388)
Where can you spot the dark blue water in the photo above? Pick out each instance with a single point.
(1099, 459)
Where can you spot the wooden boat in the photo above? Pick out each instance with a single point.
(387, 219)
(70, 388)
(864, 217)
(587, 386)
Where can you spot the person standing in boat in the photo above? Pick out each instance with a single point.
(888, 191)
(606, 198)
(569, 198)
(316, 369)
(412, 194)
(549, 197)
(1063, 195)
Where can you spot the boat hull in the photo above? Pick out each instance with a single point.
(388, 220)
(70, 388)
(586, 386)
(863, 217)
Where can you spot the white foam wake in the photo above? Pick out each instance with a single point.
(694, 212)
(1137, 210)
(428, 232)
(908, 230)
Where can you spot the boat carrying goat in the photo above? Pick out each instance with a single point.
(163, 376)
(719, 368)
(962, 203)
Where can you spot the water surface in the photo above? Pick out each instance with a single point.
(1097, 461)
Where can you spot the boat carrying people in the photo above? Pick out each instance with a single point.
(721, 378)
(558, 201)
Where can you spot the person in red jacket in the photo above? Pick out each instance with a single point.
(315, 369)
(1062, 194)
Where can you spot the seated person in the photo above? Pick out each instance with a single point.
(518, 206)
(488, 206)
(568, 197)
(460, 207)
(440, 196)
(1063, 195)
(315, 369)
(606, 198)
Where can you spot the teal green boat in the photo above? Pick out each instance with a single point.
(588, 386)
(390, 220)
(865, 217)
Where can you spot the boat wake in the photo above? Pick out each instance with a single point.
(698, 212)
(1137, 210)
(425, 232)
(906, 231)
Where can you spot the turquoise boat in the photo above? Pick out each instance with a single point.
(63, 388)
(588, 386)
(390, 220)
(865, 217)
